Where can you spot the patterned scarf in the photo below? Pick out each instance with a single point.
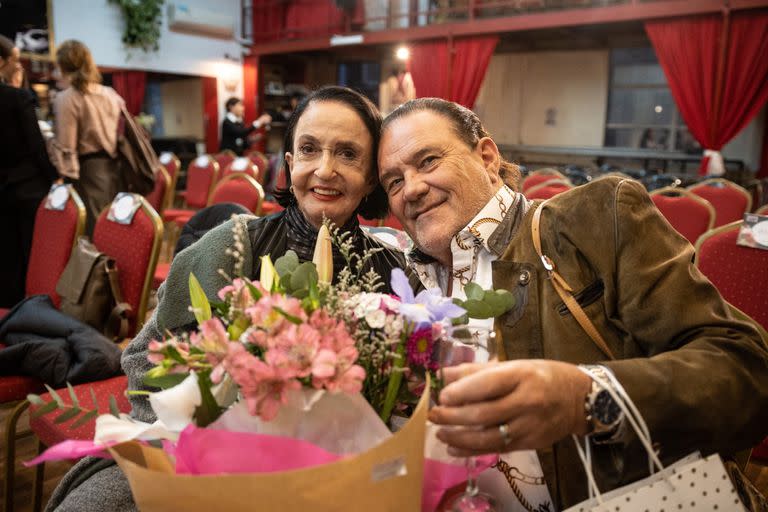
(302, 237)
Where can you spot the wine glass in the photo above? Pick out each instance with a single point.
(469, 345)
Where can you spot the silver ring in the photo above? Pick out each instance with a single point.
(506, 439)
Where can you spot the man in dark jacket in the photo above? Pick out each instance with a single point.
(26, 175)
(234, 133)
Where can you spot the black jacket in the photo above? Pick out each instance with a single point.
(45, 343)
(23, 156)
(234, 136)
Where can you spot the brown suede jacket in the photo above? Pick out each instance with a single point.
(698, 376)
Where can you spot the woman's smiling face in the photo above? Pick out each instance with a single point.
(330, 162)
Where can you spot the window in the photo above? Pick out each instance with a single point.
(363, 76)
(641, 110)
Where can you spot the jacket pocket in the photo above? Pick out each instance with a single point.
(590, 294)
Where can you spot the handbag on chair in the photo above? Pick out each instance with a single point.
(90, 290)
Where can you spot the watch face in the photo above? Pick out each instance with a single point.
(605, 410)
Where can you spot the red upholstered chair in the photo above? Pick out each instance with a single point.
(241, 165)
(548, 189)
(224, 158)
(241, 189)
(730, 200)
(763, 210)
(56, 232)
(135, 248)
(541, 176)
(162, 194)
(392, 222)
(374, 223)
(270, 207)
(260, 160)
(202, 175)
(172, 165)
(688, 213)
(741, 276)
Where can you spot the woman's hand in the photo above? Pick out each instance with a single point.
(540, 401)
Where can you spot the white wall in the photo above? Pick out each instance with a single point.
(520, 88)
(99, 25)
(748, 144)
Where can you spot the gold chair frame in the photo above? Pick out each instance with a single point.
(246, 178)
(687, 193)
(727, 183)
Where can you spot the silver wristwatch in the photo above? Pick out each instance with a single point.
(603, 413)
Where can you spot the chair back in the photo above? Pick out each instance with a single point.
(135, 248)
(374, 223)
(763, 210)
(159, 197)
(688, 213)
(241, 165)
(56, 232)
(739, 273)
(261, 162)
(536, 178)
(730, 200)
(224, 158)
(202, 175)
(240, 189)
(548, 189)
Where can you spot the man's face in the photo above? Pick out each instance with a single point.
(434, 181)
(238, 109)
(10, 65)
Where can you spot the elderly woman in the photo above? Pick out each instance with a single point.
(333, 139)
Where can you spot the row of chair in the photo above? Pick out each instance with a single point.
(135, 248)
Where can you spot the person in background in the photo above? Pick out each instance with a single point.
(85, 145)
(396, 90)
(234, 133)
(26, 175)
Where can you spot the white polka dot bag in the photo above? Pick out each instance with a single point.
(691, 484)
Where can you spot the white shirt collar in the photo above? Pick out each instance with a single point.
(233, 118)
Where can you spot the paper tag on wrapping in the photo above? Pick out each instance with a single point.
(390, 469)
(202, 161)
(166, 157)
(123, 208)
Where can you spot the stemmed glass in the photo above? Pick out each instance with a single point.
(466, 346)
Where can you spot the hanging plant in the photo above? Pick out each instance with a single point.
(143, 19)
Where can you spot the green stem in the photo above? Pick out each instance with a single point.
(393, 386)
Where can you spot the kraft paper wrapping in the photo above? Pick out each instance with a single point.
(386, 477)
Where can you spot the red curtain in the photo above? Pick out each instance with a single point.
(211, 114)
(763, 171)
(130, 85)
(250, 85)
(318, 18)
(268, 19)
(717, 73)
(430, 68)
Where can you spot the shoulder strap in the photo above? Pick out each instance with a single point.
(564, 290)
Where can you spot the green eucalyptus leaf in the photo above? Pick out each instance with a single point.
(478, 309)
(286, 263)
(303, 276)
(45, 409)
(473, 291)
(200, 305)
(82, 420)
(500, 303)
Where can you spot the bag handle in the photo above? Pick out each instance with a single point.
(635, 419)
(119, 314)
(564, 290)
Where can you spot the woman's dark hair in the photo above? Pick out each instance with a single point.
(231, 102)
(374, 205)
(76, 61)
(466, 125)
(6, 47)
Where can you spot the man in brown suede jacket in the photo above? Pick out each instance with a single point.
(698, 375)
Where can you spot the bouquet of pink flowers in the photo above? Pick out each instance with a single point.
(294, 355)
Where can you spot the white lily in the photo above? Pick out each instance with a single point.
(175, 406)
(112, 430)
(268, 275)
(323, 257)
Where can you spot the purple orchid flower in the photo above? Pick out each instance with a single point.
(427, 307)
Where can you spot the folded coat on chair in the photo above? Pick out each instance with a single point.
(45, 343)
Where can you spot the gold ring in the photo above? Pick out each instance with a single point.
(506, 439)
